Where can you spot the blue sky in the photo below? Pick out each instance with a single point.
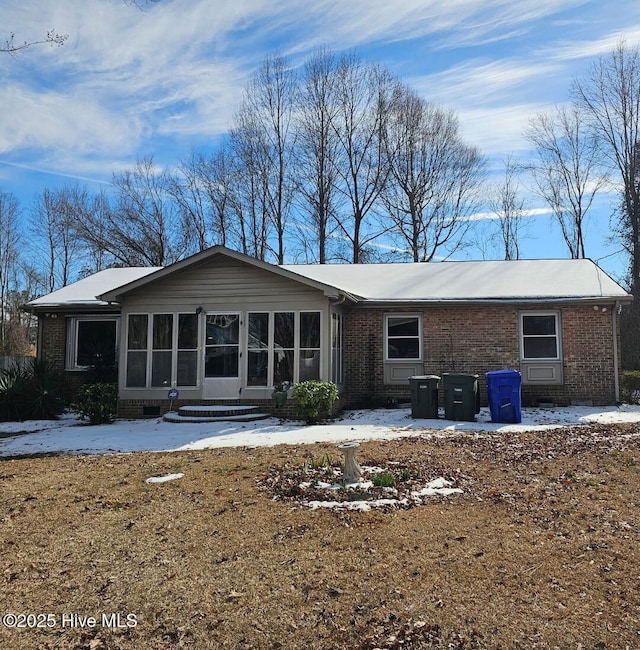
(167, 79)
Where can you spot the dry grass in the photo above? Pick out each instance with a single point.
(541, 551)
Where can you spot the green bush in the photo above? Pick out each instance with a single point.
(314, 399)
(34, 392)
(97, 402)
(630, 387)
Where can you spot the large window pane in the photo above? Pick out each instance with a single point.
(257, 367)
(137, 337)
(540, 336)
(96, 345)
(309, 364)
(310, 330)
(259, 331)
(187, 331)
(187, 368)
(221, 361)
(403, 337)
(403, 349)
(161, 368)
(283, 366)
(137, 369)
(540, 347)
(402, 326)
(222, 328)
(283, 335)
(540, 325)
(162, 331)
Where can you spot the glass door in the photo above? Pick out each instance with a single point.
(221, 356)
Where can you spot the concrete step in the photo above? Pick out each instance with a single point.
(215, 413)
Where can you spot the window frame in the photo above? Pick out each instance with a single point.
(557, 336)
(419, 336)
(273, 348)
(149, 350)
(73, 329)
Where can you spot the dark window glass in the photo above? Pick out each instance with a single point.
(187, 367)
(283, 335)
(402, 326)
(221, 361)
(309, 330)
(96, 343)
(258, 331)
(539, 325)
(403, 349)
(540, 347)
(223, 329)
(137, 337)
(161, 368)
(257, 367)
(162, 331)
(137, 369)
(187, 331)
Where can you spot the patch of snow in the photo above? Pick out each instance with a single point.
(70, 436)
(165, 478)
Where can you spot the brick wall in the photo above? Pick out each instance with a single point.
(52, 341)
(478, 339)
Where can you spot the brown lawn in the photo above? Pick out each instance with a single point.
(541, 550)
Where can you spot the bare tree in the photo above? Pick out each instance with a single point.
(434, 177)
(12, 46)
(363, 95)
(142, 228)
(317, 153)
(610, 96)
(54, 227)
(567, 172)
(508, 206)
(9, 256)
(264, 129)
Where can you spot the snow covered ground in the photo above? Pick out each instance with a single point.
(70, 436)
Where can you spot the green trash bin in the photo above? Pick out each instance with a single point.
(424, 396)
(461, 396)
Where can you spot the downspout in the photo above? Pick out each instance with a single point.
(614, 324)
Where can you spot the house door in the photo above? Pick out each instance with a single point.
(222, 354)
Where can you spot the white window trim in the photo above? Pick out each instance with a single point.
(386, 337)
(149, 350)
(558, 336)
(71, 356)
(296, 343)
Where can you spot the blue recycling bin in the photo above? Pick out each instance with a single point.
(504, 395)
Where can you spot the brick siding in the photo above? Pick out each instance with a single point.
(477, 339)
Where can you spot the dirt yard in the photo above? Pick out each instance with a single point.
(541, 550)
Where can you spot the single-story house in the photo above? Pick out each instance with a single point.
(222, 327)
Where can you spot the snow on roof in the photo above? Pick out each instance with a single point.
(84, 292)
(518, 280)
(462, 281)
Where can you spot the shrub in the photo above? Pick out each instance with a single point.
(630, 386)
(97, 402)
(35, 392)
(314, 399)
(383, 479)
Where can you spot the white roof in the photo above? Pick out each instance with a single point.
(84, 292)
(468, 281)
(519, 280)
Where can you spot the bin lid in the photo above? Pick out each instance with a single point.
(496, 373)
(419, 377)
